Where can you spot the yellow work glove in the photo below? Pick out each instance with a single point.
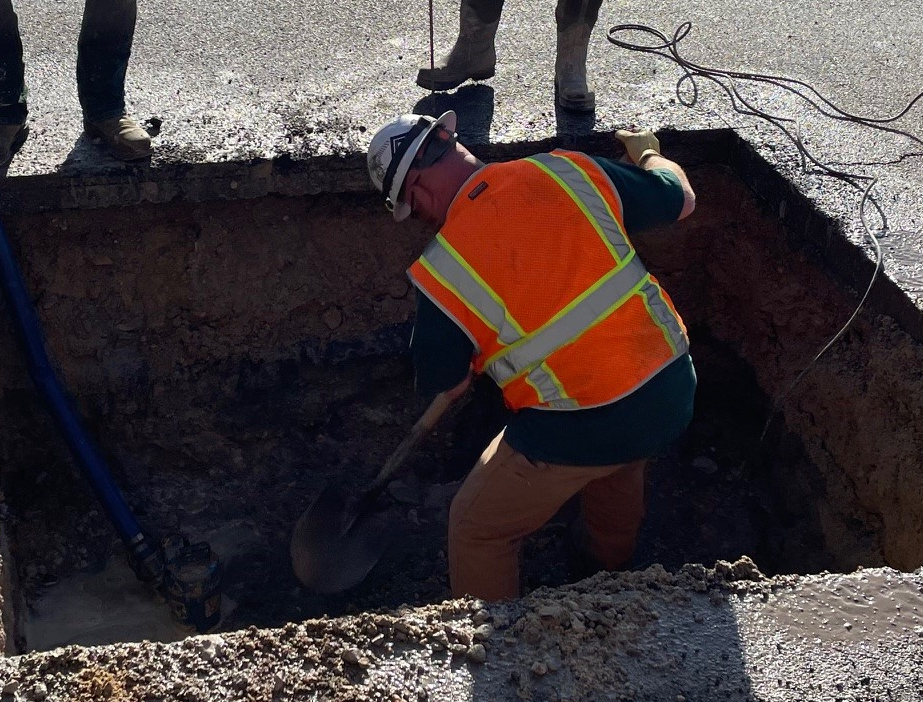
(639, 144)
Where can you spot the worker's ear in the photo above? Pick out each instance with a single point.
(413, 175)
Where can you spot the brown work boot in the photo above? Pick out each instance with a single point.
(12, 137)
(474, 55)
(570, 83)
(123, 137)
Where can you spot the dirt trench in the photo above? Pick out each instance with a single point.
(232, 357)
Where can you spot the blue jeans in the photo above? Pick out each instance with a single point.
(103, 51)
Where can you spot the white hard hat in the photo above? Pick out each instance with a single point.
(393, 149)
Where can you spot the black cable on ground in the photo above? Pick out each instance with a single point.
(668, 48)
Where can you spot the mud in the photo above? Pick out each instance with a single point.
(233, 357)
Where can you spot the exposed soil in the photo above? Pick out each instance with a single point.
(229, 375)
(701, 504)
(355, 659)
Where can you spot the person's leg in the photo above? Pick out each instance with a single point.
(12, 84)
(612, 512)
(12, 72)
(474, 54)
(505, 498)
(569, 12)
(575, 21)
(103, 51)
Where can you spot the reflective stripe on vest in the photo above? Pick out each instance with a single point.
(583, 191)
(549, 388)
(665, 319)
(586, 311)
(524, 351)
(444, 262)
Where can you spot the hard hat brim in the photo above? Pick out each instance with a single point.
(402, 210)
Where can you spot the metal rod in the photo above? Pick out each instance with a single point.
(432, 46)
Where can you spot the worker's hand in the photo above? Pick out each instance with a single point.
(454, 393)
(639, 144)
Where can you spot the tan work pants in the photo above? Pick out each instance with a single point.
(507, 497)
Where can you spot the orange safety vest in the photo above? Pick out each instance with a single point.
(534, 264)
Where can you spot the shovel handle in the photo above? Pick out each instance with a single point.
(421, 428)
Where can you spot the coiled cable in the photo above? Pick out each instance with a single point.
(727, 80)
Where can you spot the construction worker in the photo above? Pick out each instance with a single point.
(533, 280)
(103, 51)
(474, 55)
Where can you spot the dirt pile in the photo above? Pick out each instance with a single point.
(572, 643)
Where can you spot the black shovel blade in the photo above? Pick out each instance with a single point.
(335, 545)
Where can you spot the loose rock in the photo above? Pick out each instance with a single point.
(11, 688)
(477, 653)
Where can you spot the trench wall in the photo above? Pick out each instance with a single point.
(7, 609)
(776, 295)
(139, 294)
(138, 303)
(138, 300)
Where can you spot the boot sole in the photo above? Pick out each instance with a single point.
(577, 106)
(443, 85)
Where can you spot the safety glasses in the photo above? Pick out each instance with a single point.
(437, 144)
(439, 141)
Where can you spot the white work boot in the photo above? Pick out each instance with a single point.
(570, 83)
(474, 55)
(122, 136)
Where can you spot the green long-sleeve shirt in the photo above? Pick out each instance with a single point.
(638, 426)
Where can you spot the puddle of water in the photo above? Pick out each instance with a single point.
(113, 606)
(860, 607)
(99, 608)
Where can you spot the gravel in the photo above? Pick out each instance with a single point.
(725, 632)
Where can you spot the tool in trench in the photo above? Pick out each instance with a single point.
(192, 583)
(191, 580)
(338, 541)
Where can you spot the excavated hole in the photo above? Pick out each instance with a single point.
(233, 357)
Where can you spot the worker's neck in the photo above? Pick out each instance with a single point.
(443, 182)
(458, 168)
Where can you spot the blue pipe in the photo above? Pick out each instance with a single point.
(145, 558)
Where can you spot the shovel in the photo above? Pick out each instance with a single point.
(336, 542)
